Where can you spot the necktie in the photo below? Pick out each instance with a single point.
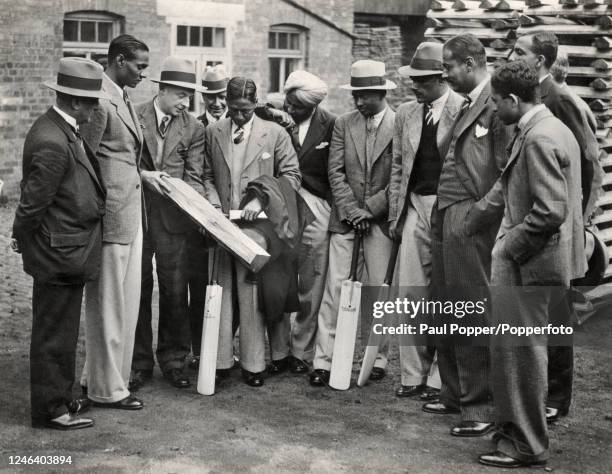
(238, 135)
(370, 140)
(163, 126)
(429, 115)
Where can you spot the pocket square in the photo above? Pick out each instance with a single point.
(321, 145)
(480, 131)
(265, 155)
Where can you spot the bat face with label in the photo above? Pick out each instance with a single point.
(346, 326)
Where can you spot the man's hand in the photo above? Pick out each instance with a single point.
(394, 232)
(282, 118)
(15, 246)
(251, 210)
(360, 220)
(153, 180)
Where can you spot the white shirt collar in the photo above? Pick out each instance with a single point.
(119, 89)
(529, 114)
(437, 106)
(159, 115)
(212, 119)
(543, 78)
(71, 120)
(376, 119)
(478, 90)
(246, 127)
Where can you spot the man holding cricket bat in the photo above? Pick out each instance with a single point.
(359, 172)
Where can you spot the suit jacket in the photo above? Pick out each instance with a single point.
(182, 157)
(58, 220)
(115, 136)
(269, 152)
(406, 140)
(564, 107)
(542, 225)
(351, 185)
(313, 155)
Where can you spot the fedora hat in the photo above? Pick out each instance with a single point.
(215, 79)
(427, 60)
(79, 77)
(179, 72)
(367, 74)
(598, 258)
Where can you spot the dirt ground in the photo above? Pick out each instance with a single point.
(285, 426)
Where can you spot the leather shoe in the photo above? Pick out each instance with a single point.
(319, 377)
(297, 366)
(177, 378)
(194, 362)
(138, 378)
(128, 403)
(553, 414)
(377, 374)
(277, 367)
(499, 459)
(253, 379)
(65, 422)
(429, 394)
(404, 391)
(470, 429)
(439, 408)
(221, 374)
(80, 405)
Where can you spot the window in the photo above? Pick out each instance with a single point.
(88, 34)
(285, 54)
(200, 36)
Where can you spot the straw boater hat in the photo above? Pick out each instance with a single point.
(367, 74)
(79, 77)
(179, 72)
(427, 61)
(215, 80)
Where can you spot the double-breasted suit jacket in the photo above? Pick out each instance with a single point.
(352, 184)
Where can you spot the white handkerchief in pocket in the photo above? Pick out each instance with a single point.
(480, 131)
(321, 145)
(266, 156)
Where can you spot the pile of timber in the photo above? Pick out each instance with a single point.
(584, 29)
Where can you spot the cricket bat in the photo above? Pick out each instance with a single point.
(210, 331)
(371, 350)
(346, 325)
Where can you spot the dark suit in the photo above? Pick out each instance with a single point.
(166, 237)
(540, 243)
(58, 227)
(461, 247)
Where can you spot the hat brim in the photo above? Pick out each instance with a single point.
(410, 71)
(214, 91)
(388, 85)
(184, 85)
(76, 92)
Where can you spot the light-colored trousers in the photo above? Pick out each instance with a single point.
(299, 338)
(111, 315)
(418, 364)
(374, 256)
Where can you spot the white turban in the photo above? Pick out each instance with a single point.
(308, 88)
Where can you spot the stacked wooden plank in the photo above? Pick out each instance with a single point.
(584, 29)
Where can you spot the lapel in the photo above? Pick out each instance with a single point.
(149, 121)
(474, 112)
(223, 138)
(447, 121)
(545, 88)
(412, 133)
(122, 109)
(173, 135)
(315, 132)
(80, 154)
(517, 146)
(256, 141)
(384, 134)
(357, 129)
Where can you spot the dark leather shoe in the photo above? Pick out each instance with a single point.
(128, 403)
(65, 422)
(471, 429)
(80, 405)
(377, 374)
(553, 414)
(319, 377)
(138, 378)
(404, 391)
(193, 362)
(439, 408)
(297, 366)
(499, 459)
(277, 367)
(221, 374)
(253, 379)
(177, 378)
(429, 394)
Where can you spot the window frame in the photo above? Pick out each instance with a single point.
(88, 49)
(286, 54)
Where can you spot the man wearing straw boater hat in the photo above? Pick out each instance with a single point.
(359, 172)
(423, 129)
(58, 230)
(173, 146)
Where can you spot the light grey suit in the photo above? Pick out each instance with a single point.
(411, 214)
(111, 301)
(540, 243)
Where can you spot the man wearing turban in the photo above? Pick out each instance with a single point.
(293, 347)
